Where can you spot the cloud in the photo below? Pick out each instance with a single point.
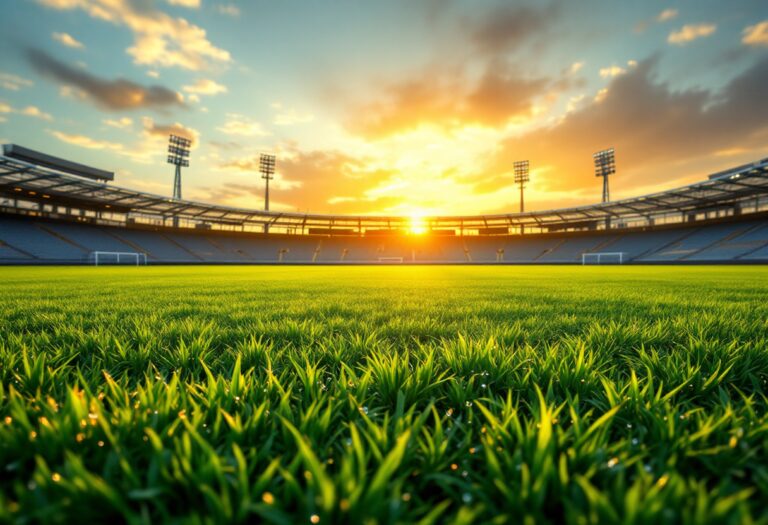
(690, 32)
(756, 35)
(229, 145)
(67, 40)
(480, 84)
(13, 82)
(87, 142)
(28, 111)
(205, 86)
(119, 94)
(192, 4)
(508, 27)
(447, 101)
(290, 117)
(122, 123)
(152, 129)
(237, 124)
(666, 15)
(652, 127)
(159, 39)
(229, 10)
(306, 181)
(150, 146)
(34, 111)
(614, 70)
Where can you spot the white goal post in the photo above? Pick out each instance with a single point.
(603, 258)
(136, 258)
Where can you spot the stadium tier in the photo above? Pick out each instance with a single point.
(52, 216)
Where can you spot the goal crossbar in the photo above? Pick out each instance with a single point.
(603, 257)
(115, 257)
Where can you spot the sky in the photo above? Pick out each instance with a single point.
(397, 107)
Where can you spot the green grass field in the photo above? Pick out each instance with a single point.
(384, 395)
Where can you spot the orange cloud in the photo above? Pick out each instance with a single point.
(653, 129)
(497, 98)
(691, 32)
(67, 40)
(756, 35)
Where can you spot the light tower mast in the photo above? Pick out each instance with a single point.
(178, 155)
(267, 170)
(605, 164)
(521, 177)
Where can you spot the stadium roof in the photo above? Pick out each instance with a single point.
(737, 187)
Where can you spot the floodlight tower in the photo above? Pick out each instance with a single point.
(178, 155)
(267, 170)
(605, 164)
(521, 177)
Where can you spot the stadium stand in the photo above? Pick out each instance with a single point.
(50, 216)
(42, 241)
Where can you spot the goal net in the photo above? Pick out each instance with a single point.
(133, 258)
(604, 258)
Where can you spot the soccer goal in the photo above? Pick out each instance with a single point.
(133, 258)
(604, 258)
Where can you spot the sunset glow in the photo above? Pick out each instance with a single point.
(417, 226)
(362, 123)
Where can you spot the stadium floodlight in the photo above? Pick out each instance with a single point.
(267, 170)
(178, 155)
(521, 177)
(605, 164)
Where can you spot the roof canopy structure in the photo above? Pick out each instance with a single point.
(740, 190)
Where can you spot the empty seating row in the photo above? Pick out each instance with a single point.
(46, 241)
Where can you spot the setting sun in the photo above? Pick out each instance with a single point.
(417, 226)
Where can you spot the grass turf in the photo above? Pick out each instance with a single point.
(384, 395)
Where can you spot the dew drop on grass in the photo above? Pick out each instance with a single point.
(613, 462)
(635, 441)
(466, 497)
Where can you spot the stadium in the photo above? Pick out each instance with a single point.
(350, 263)
(59, 212)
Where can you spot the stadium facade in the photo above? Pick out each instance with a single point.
(58, 212)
